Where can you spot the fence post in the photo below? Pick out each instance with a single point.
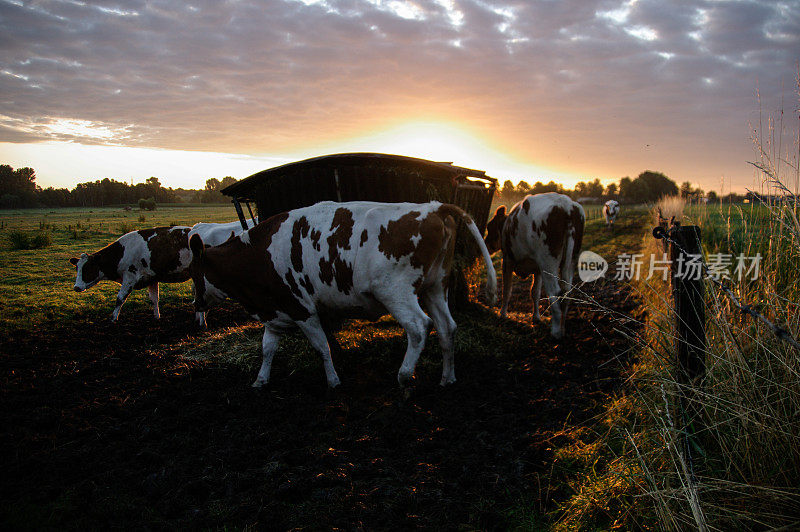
(690, 316)
(689, 294)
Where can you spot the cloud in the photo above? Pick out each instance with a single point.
(580, 80)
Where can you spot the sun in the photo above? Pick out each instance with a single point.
(450, 142)
(427, 140)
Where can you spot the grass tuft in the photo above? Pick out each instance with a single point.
(20, 240)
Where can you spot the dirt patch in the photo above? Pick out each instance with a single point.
(97, 434)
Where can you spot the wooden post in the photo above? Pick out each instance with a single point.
(688, 291)
(690, 316)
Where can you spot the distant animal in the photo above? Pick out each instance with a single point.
(542, 236)
(342, 260)
(610, 212)
(137, 260)
(126, 208)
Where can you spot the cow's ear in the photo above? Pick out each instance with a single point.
(501, 211)
(74, 261)
(196, 245)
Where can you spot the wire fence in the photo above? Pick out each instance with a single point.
(780, 332)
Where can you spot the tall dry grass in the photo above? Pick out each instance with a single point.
(741, 469)
(737, 466)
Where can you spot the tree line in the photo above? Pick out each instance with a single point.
(18, 189)
(647, 187)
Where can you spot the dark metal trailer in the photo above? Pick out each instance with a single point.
(367, 177)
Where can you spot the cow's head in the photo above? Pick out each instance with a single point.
(494, 229)
(88, 271)
(206, 294)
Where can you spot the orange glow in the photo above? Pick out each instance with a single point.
(447, 141)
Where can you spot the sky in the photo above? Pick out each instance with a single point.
(540, 90)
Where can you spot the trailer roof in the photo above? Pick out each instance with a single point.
(244, 186)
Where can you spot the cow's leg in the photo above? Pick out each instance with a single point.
(313, 330)
(269, 344)
(124, 291)
(152, 291)
(436, 305)
(330, 326)
(200, 319)
(417, 326)
(508, 279)
(536, 294)
(552, 288)
(568, 273)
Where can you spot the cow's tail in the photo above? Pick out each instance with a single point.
(572, 247)
(491, 275)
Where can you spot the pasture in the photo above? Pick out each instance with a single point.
(153, 424)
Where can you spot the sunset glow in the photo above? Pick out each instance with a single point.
(539, 91)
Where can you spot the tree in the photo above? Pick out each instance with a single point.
(594, 189)
(686, 189)
(625, 187)
(712, 197)
(611, 190)
(213, 191)
(648, 187)
(20, 185)
(507, 192)
(523, 188)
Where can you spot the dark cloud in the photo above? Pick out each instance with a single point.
(582, 79)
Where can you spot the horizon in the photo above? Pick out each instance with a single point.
(568, 92)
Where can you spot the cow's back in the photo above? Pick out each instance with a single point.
(538, 230)
(338, 255)
(214, 234)
(160, 254)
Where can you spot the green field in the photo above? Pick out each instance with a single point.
(36, 285)
(144, 423)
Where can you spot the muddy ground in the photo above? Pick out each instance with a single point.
(96, 434)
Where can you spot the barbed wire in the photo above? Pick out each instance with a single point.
(781, 332)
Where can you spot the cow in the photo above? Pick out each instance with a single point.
(215, 234)
(542, 236)
(306, 267)
(147, 257)
(610, 212)
(137, 260)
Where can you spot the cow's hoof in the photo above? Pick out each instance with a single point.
(557, 335)
(333, 383)
(259, 384)
(404, 378)
(447, 381)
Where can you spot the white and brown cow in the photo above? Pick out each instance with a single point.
(610, 212)
(342, 260)
(139, 259)
(214, 234)
(541, 236)
(147, 257)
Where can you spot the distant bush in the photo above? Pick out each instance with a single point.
(22, 240)
(148, 204)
